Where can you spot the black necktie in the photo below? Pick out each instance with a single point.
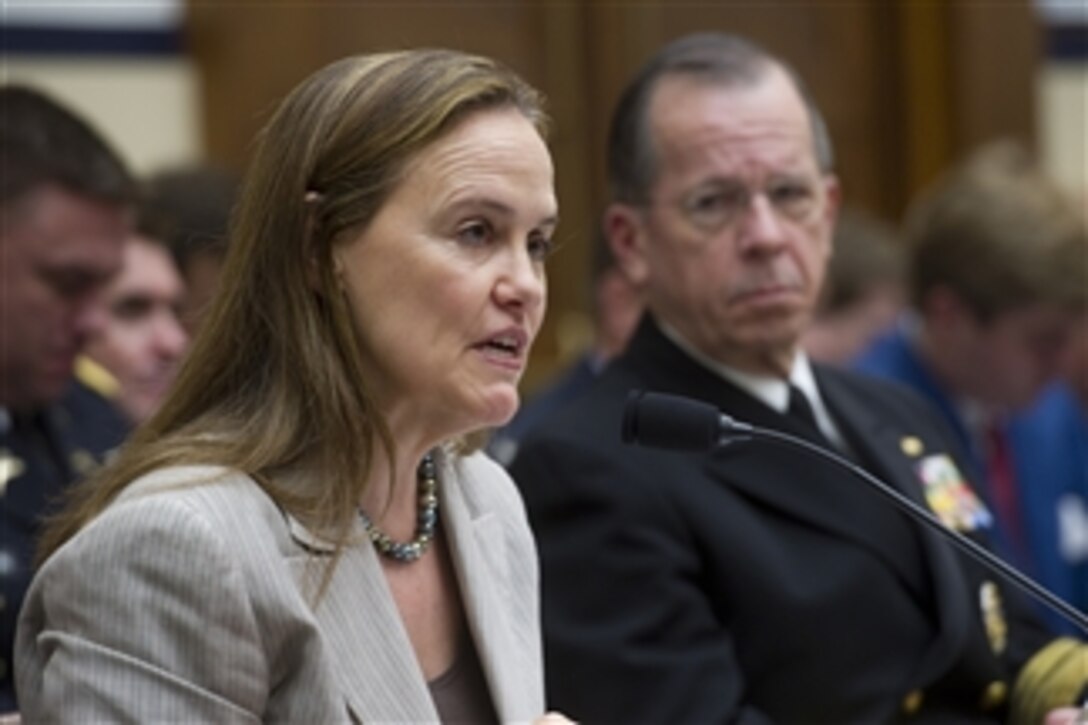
(801, 409)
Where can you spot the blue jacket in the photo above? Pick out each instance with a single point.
(1050, 450)
(1050, 457)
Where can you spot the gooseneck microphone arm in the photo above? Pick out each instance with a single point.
(658, 420)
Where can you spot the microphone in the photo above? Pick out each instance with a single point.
(658, 420)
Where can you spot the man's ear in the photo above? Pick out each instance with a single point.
(832, 190)
(833, 195)
(624, 228)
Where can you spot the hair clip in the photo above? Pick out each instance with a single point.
(312, 197)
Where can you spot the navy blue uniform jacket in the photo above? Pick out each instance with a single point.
(751, 583)
(42, 455)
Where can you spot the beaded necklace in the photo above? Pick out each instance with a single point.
(406, 552)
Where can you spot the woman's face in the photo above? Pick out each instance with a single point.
(446, 284)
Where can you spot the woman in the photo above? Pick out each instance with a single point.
(301, 533)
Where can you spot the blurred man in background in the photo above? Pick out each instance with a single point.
(864, 291)
(142, 341)
(66, 204)
(195, 204)
(749, 583)
(1050, 449)
(999, 272)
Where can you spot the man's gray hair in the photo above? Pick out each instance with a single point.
(717, 58)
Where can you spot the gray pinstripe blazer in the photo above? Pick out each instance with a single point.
(194, 603)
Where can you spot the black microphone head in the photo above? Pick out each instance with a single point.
(670, 421)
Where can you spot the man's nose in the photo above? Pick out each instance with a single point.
(170, 337)
(762, 229)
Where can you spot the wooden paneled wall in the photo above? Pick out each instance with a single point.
(906, 86)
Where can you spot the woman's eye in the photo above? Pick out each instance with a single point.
(474, 234)
(541, 247)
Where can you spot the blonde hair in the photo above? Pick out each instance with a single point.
(1000, 233)
(274, 380)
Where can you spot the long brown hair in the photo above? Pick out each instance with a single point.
(273, 380)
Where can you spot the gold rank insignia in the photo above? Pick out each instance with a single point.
(11, 467)
(993, 616)
(911, 446)
(948, 494)
(82, 462)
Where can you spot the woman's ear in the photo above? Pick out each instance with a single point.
(314, 272)
(311, 248)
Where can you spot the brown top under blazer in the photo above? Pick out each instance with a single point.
(194, 603)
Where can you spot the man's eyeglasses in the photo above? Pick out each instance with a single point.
(716, 206)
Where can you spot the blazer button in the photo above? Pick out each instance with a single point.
(912, 703)
(994, 695)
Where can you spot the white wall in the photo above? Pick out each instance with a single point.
(149, 109)
(148, 106)
(1063, 123)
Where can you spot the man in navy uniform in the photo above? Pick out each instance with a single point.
(749, 584)
(66, 199)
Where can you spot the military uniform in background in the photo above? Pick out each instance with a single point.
(41, 454)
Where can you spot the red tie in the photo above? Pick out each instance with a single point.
(1002, 478)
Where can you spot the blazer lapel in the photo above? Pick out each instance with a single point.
(475, 536)
(795, 482)
(655, 362)
(368, 644)
(883, 443)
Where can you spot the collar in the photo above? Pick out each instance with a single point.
(772, 391)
